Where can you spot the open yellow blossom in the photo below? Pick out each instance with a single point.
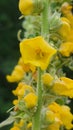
(62, 112)
(36, 51)
(66, 117)
(30, 100)
(21, 89)
(16, 75)
(66, 49)
(54, 107)
(26, 6)
(64, 87)
(19, 71)
(47, 79)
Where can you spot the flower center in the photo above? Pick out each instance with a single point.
(39, 54)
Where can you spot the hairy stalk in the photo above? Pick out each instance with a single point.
(45, 17)
(44, 32)
(37, 115)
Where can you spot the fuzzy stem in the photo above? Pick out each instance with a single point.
(37, 115)
(62, 128)
(45, 17)
(44, 32)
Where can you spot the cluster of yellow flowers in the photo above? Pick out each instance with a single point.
(66, 47)
(42, 88)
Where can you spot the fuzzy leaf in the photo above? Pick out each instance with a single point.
(8, 121)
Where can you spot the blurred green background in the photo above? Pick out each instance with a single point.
(9, 53)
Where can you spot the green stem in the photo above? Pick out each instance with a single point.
(62, 128)
(36, 121)
(37, 115)
(45, 21)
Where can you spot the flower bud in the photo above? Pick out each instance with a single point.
(30, 100)
(28, 7)
(50, 117)
(65, 28)
(47, 79)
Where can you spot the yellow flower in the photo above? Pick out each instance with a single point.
(47, 79)
(15, 128)
(54, 126)
(67, 12)
(64, 19)
(26, 67)
(64, 87)
(15, 102)
(20, 123)
(66, 8)
(30, 100)
(66, 117)
(50, 117)
(70, 37)
(66, 49)
(36, 51)
(19, 71)
(29, 125)
(21, 89)
(16, 75)
(26, 6)
(63, 114)
(54, 107)
(65, 28)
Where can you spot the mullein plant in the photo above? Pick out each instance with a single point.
(43, 89)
